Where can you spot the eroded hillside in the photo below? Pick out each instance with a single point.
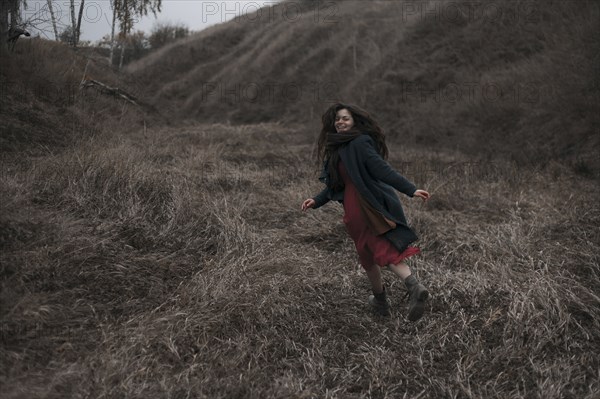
(509, 78)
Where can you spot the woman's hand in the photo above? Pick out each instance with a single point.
(422, 194)
(309, 203)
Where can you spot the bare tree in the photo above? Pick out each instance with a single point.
(53, 18)
(4, 12)
(115, 6)
(9, 19)
(125, 12)
(76, 22)
(73, 23)
(78, 30)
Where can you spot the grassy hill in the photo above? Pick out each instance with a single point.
(143, 257)
(510, 78)
(44, 107)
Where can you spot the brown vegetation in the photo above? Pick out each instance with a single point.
(176, 263)
(145, 260)
(42, 104)
(510, 78)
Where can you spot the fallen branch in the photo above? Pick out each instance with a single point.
(104, 88)
(86, 81)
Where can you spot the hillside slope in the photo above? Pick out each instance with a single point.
(44, 107)
(510, 78)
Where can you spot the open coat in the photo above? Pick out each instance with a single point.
(375, 180)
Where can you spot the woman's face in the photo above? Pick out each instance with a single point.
(343, 121)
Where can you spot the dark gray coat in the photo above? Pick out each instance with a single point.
(375, 180)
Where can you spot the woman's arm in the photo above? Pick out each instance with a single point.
(381, 170)
(322, 198)
(319, 200)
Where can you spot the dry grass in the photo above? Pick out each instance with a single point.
(174, 262)
(44, 109)
(515, 78)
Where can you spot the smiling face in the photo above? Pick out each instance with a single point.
(343, 121)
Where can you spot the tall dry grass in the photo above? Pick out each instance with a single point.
(505, 78)
(174, 262)
(43, 106)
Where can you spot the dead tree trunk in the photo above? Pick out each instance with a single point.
(4, 8)
(53, 18)
(123, 44)
(73, 24)
(112, 34)
(78, 32)
(9, 19)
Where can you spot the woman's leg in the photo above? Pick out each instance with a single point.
(374, 275)
(401, 269)
(418, 293)
(378, 300)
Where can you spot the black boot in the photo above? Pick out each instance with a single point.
(380, 303)
(418, 295)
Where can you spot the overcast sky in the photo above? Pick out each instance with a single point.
(97, 15)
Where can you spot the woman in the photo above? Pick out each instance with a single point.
(353, 151)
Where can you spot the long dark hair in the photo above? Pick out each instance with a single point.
(363, 123)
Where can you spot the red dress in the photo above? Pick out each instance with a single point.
(372, 249)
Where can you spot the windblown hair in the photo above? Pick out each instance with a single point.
(363, 123)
